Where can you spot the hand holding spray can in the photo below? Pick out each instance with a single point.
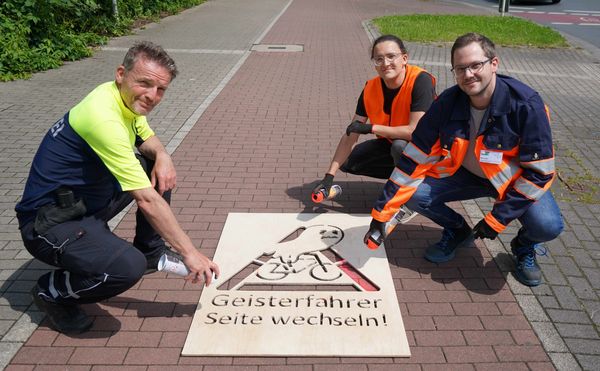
(319, 196)
(173, 264)
(374, 238)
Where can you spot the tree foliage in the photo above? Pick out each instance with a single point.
(36, 35)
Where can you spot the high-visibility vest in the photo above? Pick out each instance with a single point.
(400, 113)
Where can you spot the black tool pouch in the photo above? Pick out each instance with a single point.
(64, 210)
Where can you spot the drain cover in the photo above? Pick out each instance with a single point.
(277, 48)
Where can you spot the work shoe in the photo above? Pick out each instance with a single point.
(527, 270)
(152, 261)
(68, 319)
(445, 249)
(405, 214)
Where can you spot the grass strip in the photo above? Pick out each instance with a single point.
(504, 31)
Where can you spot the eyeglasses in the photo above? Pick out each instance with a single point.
(473, 67)
(379, 61)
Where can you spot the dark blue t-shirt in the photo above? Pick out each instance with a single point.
(64, 158)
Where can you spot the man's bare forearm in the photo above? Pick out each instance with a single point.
(152, 147)
(158, 213)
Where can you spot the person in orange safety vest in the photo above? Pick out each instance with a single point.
(392, 103)
(487, 136)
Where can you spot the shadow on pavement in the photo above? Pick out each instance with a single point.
(16, 292)
(108, 314)
(356, 197)
(150, 309)
(406, 246)
(473, 268)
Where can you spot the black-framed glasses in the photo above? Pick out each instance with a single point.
(473, 67)
(380, 60)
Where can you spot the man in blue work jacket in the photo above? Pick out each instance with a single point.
(487, 136)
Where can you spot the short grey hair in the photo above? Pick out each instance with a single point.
(150, 51)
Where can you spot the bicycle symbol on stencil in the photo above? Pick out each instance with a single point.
(302, 256)
(322, 271)
(306, 257)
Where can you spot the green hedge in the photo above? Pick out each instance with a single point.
(36, 35)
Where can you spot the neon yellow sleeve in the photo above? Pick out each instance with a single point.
(142, 128)
(111, 143)
(110, 128)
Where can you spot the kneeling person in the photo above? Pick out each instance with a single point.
(392, 103)
(83, 174)
(487, 136)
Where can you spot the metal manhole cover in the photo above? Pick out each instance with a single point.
(277, 48)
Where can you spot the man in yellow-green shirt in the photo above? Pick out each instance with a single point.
(84, 173)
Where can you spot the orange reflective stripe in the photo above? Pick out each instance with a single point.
(446, 173)
(404, 180)
(391, 207)
(502, 178)
(492, 222)
(448, 164)
(500, 175)
(528, 189)
(543, 167)
(411, 151)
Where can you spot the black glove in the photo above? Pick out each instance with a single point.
(359, 127)
(483, 230)
(375, 226)
(325, 185)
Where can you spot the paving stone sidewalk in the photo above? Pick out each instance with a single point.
(259, 145)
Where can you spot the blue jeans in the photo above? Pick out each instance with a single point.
(541, 222)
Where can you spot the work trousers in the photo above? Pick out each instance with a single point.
(374, 158)
(541, 222)
(93, 263)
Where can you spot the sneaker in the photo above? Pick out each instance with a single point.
(445, 249)
(152, 261)
(68, 319)
(405, 214)
(527, 270)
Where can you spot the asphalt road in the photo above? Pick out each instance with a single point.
(578, 18)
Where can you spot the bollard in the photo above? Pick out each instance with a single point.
(503, 6)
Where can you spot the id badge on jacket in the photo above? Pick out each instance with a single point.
(490, 157)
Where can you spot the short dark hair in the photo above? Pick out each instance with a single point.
(393, 38)
(489, 49)
(151, 51)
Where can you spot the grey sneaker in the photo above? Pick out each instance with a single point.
(405, 214)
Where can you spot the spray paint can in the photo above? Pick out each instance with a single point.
(172, 264)
(375, 239)
(319, 196)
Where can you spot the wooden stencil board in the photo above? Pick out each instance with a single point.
(298, 285)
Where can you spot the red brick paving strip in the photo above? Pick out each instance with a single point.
(257, 148)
